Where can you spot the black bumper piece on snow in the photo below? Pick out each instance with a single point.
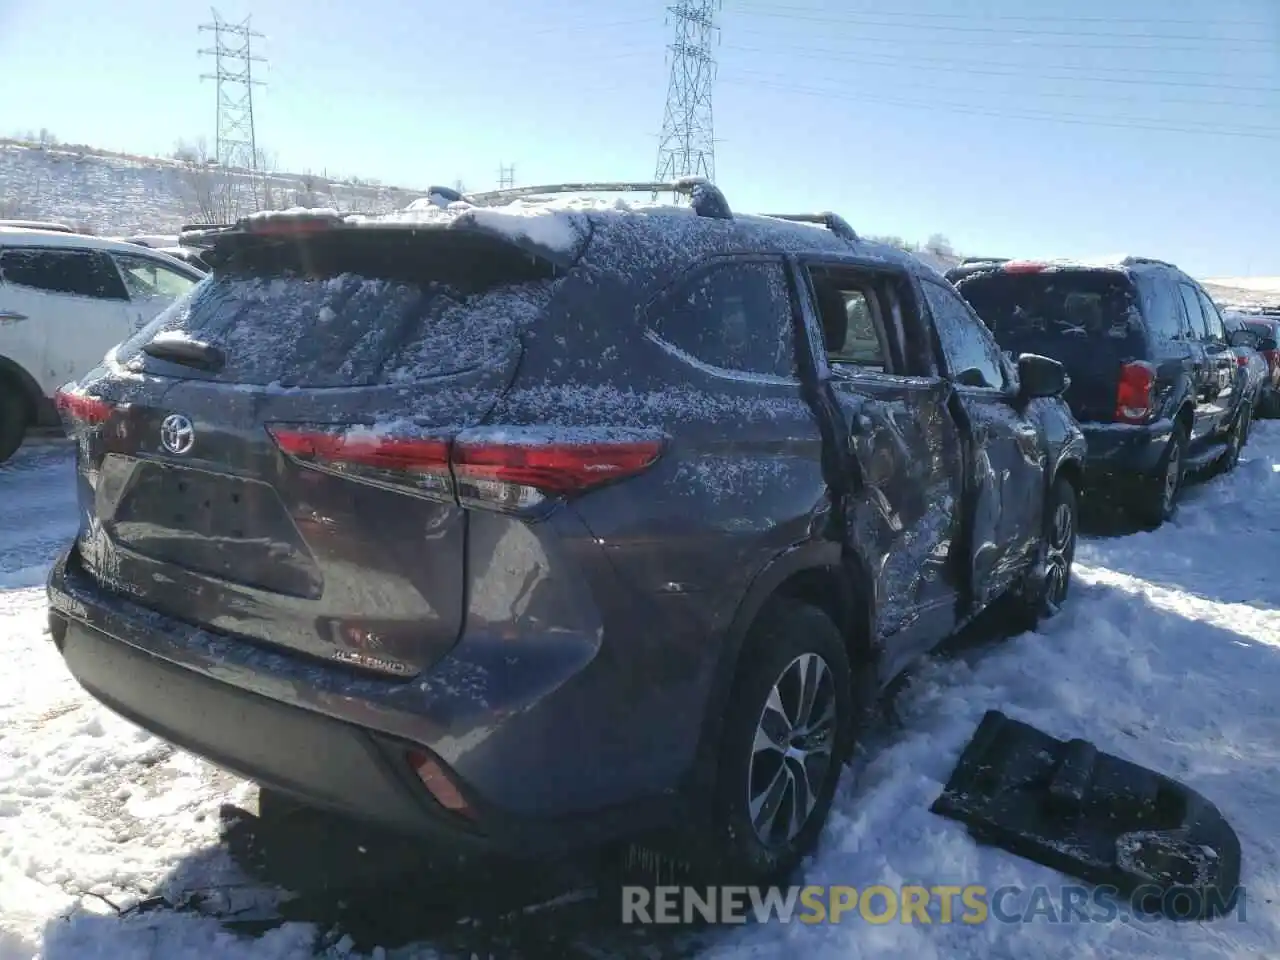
(1094, 816)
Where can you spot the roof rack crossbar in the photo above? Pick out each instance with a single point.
(706, 198)
(832, 221)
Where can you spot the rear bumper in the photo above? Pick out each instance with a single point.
(339, 741)
(1124, 451)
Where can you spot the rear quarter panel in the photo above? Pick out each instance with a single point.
(672, 551)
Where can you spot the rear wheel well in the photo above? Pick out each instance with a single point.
(827, 588)
(1185, 417)
(14, 377)
(1073, 473)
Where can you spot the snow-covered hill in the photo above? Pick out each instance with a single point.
(118, 194)
(1245, 291)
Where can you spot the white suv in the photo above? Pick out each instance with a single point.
(65, 300)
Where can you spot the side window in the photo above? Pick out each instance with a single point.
(1195, 315)
(1212, 318)
(146, 279)
(79, 273)
(972, 354)
(735, 316)
(1160, 306)
(852, 327)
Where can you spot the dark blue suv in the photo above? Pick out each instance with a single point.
(522, 528)
(1154, 381)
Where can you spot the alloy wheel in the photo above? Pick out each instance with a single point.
(1062, 535)
(793, 750)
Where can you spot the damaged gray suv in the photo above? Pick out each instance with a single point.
(522, 528)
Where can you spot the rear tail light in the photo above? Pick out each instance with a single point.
(517, 469)
(1135, 395)
(1242, 360)
(499, 468)
(81, 408)
(419, 464)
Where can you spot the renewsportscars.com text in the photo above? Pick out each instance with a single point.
(913, 903)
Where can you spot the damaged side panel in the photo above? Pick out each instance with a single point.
(906, 517)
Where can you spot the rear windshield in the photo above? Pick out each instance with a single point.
(1035, 307)
(355, 310)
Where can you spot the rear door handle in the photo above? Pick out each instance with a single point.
(12, 315)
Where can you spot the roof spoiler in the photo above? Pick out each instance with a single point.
(832, 221)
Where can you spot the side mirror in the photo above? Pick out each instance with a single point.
(1040, 377)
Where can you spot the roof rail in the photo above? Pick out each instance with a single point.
(37, 225)
(706, 198)
(1131, 261)
(832, 221)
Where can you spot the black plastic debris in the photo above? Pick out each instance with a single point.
(1096, 817)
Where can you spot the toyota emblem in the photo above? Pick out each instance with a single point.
(177, 434)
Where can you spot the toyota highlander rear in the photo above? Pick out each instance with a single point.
(294, 505)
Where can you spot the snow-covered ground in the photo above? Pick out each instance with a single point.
(1167, 653)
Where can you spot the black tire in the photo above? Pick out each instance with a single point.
(1157, 499)
(1237, 437)
(14, 416)
(1050, 581)
(787, 637)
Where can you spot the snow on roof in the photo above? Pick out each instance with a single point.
(559, 224)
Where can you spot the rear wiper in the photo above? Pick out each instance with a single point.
(191, 353)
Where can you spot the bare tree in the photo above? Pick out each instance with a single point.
(217, 195)
(267, 166)
(309, 195)
(939, 245)
(185, 152)
(890, 240)
(13, 209)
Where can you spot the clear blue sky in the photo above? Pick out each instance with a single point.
(1013, 127)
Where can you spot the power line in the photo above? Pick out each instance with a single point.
(957, 28)
(1055, 43)
(1123, 123)
(908, 60)
(1057, 95)
(687, 143)
(1071, 18)
(951, 66)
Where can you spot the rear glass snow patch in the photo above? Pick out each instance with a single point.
(348, 330)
